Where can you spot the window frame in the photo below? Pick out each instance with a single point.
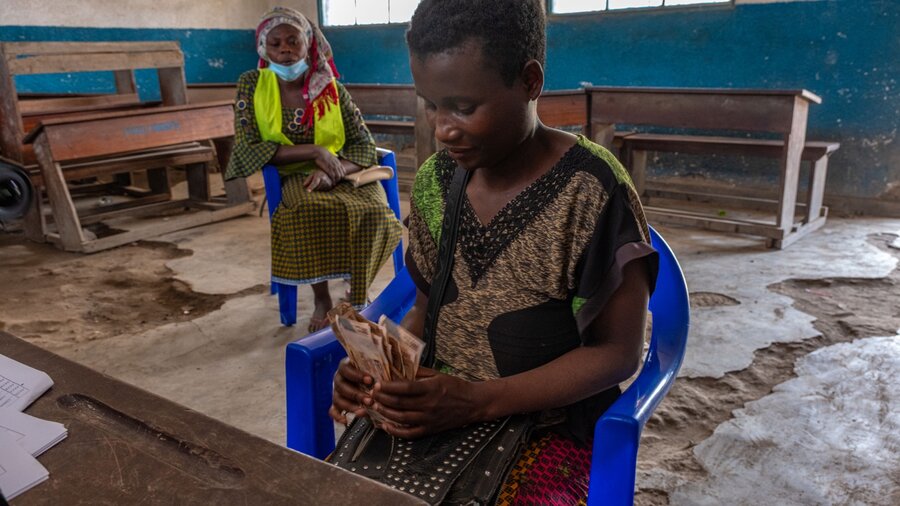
(633, 10)
(321, 8)
(548, 8)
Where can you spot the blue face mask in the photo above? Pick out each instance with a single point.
(289, 72)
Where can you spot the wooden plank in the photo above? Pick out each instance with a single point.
(14, 49)
(64, 214)
(563, 108)
(34, 223)
(118, 134)
(790, 165)
(682, 109)
(682, 217)
(11, 128)
(237, 191)
(392, 127)
(800, 93)
(721, 200)
(198, 93)
(425, 142)
(172, 87)
(736, 146)
(197, 181)
(123, 208)
(125, 83)
(384, 99)
(816, 192)
(173, 223)
(76, 104)
(799, 232)
(53, 64)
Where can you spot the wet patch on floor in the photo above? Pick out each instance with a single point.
(845, 309)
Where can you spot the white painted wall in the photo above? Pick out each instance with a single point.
(222, 14)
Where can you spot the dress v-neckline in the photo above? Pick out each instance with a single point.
(481, 244)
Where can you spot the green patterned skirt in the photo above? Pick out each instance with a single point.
(345, 233)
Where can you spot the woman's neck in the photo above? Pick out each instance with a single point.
(534, 157)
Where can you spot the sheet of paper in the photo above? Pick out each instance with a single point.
(33, 434)
(20, 385)
(19, 471)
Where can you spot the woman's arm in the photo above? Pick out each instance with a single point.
(437, 401)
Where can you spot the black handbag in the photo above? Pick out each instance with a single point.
(466, 465)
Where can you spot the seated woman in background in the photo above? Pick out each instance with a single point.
(293, 113)
(546, 305)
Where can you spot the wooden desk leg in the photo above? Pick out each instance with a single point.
(425, 143)
(638, 168)
(158, 180)
(237, 191)
(603, 134)
(198, 182)
(816, 194)
(64, 215)
(33, 224)
(790, 167)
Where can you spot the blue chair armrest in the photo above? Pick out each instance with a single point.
(617, 433)
(272, 181)
(310, 364)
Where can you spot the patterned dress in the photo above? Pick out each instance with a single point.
(525, 287)
(346, 232)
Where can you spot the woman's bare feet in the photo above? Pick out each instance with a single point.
(323, 303)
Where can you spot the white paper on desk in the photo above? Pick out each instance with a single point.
(19, 471)
(33, 434)
(20, 385)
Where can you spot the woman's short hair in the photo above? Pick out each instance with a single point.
(511, 32)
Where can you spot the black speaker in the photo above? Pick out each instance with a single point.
(16, 191)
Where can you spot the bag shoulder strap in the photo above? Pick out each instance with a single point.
(446, 250)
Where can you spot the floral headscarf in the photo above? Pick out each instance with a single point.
(319, 79)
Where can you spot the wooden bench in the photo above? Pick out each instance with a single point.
(100, 152)
(70, 148)
(782, 113)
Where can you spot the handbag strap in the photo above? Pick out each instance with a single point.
(446, 250)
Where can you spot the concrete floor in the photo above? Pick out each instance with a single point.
(769, 407)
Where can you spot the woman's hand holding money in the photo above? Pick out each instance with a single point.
(432, 403)
(352, 392)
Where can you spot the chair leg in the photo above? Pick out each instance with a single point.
(287, 303)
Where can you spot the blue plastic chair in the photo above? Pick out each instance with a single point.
(287, 294)
(310, 365)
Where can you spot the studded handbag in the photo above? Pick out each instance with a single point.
(466, 465)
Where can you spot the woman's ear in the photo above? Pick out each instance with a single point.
(533, 78)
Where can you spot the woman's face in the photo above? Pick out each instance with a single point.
(284, 45)
(479, 119)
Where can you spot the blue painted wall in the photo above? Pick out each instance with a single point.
(846, 51)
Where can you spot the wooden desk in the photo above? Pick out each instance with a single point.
(37, 113)
(128, 446)
(77, 146)
(780, 112)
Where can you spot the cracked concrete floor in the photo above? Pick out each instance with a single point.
(784, 397)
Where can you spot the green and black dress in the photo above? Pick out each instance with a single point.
(346, 232)
(525, 286)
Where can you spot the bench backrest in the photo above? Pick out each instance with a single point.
(121, 58)
(384, 99)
